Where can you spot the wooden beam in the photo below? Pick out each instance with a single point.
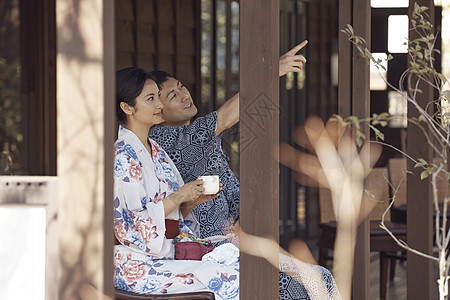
(109, 136)
(420, 210)
(354, 99)
(198, 52)
(361, 109)
(85, 61)
(259, 134)
(345, 62)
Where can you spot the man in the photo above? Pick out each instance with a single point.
(195, 147)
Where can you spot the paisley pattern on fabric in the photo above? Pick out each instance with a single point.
(196, 150)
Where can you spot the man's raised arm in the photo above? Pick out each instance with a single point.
(228, 113)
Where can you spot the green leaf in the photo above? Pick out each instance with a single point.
(447, 175)
(355, 121)
(421, 118)
(360, 137)
(422, 162)
(378, 133)
(383, 115)
(350, 28)
(338, 117)
(424, 174)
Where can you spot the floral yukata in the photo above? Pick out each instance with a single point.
(144, 262)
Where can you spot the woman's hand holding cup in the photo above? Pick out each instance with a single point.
(208, 192)
(191, 191)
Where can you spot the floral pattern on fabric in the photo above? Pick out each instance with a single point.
(224, 285)
(144, 263)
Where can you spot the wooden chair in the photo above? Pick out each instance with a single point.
(396, 166)
(397, 179)
(123, 295)
(380, 241)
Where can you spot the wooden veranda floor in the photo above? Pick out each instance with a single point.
(397, 287)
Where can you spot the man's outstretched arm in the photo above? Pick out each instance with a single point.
(228, 113)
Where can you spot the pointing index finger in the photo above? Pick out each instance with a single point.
(298, 47)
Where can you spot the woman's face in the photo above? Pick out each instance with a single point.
(148, 105)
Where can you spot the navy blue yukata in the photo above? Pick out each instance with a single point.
(196, 151)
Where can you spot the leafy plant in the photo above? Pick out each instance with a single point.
(433, 120)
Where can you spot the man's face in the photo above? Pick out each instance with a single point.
(179, 108)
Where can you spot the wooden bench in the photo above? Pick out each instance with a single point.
(123, 295)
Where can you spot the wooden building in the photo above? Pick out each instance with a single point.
(66, 53)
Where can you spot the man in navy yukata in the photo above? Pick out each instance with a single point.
(195, 146)
(196, 149)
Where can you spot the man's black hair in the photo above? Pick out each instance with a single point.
(161, 76)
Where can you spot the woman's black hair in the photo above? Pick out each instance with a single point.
(161, 76)
(129, 85)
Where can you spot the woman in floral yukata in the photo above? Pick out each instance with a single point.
(148, 190)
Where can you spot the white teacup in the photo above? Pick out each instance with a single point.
(211, 184)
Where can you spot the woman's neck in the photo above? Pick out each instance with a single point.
(141, 131)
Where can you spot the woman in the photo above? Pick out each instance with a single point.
(148, 190)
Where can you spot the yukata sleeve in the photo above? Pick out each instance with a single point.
(189, 221)
(139, 227)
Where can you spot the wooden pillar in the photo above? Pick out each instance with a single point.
(259, 134)
(361, 109)
(354, 99)
(420, 210)
(345, 61)
(109, 136)
(85, 102)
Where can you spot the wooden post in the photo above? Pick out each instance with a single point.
(361, 109)
(420, 210)
(345, 62)
(109, 136)
(85, 60)
(259, 134)
(354, 99)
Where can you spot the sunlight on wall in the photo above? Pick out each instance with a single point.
(22, 252)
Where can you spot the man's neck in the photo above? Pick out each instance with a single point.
(177, 124)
